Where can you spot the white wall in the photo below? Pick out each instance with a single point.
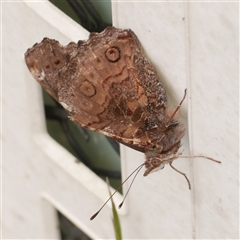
(192, 45)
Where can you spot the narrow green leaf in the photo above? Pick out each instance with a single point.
(116, 221)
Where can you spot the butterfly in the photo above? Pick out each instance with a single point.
(106, 84)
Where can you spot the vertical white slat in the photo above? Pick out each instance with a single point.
(162, 198)
(214, 91)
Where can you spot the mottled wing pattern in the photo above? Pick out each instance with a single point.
(107, 85)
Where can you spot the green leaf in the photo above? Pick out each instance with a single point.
(116, 221)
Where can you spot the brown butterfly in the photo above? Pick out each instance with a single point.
(107, 85)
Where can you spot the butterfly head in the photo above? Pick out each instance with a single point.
(156, 161)
(153, 164)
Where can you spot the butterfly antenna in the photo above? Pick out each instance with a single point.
(174, 113)
(137, 169)
(200, 156)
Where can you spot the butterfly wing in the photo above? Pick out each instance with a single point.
(105, 83)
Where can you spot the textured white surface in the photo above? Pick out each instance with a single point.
(38, 174)
(193, 45)
(214, 89)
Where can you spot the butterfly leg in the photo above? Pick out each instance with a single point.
(179, 105)
(189, 185)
